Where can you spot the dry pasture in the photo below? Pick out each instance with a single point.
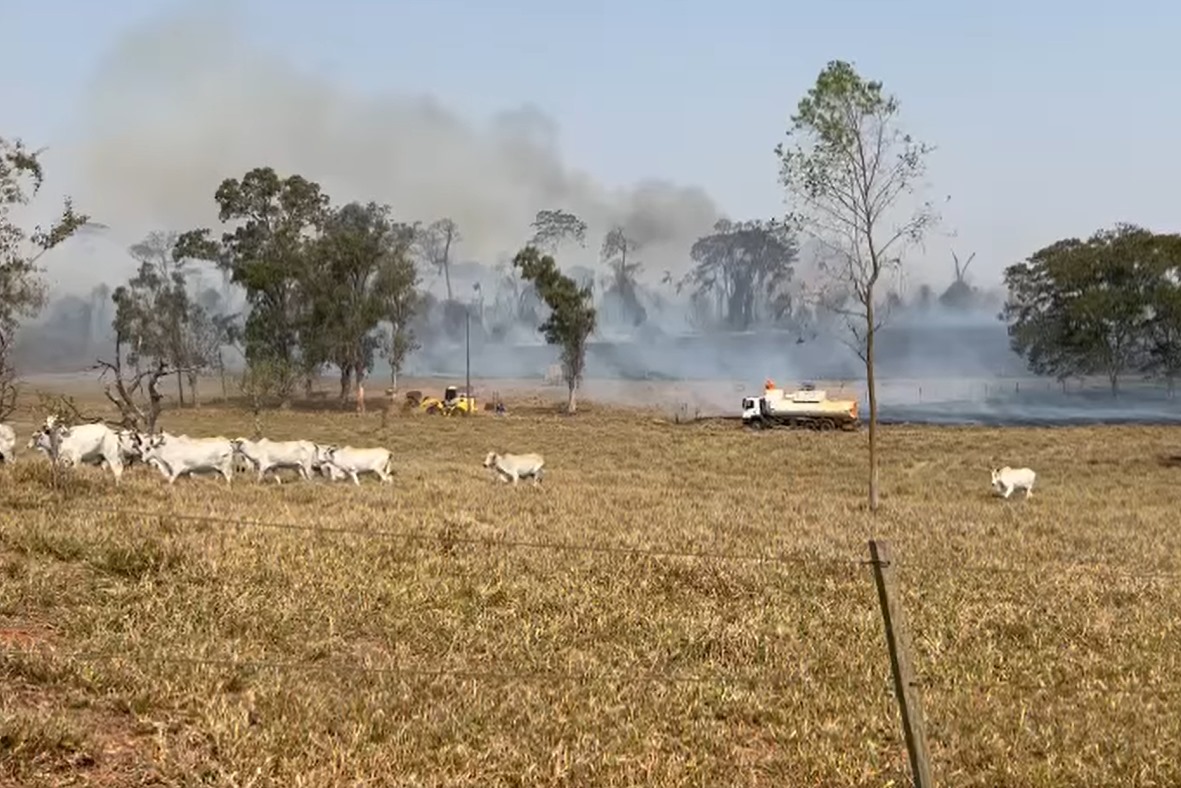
(452, 630)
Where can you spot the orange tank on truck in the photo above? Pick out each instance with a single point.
(807, 407)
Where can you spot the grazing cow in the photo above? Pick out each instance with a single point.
(175, 456)
(7, 443)
(84, 444)
(357, 461)
(267, 455)
(514, 467)
(1007, 479)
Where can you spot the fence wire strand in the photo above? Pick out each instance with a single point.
(488, 542)
(1087, 565)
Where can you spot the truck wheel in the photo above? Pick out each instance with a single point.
(826, 425)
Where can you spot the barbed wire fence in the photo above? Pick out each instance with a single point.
(908, 683)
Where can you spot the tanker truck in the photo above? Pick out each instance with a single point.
(807, 408)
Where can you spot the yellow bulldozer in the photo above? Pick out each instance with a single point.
(452, 402)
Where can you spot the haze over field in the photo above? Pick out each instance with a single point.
(487, 115)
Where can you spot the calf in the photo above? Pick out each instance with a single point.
(1008, 479)
(7, 443)
(267, 455)
(514, 467)
(175, 456)
(357, 461)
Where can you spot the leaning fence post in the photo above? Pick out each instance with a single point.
(910, 704)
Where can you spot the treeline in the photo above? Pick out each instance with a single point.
(741, 277)
(1109, 305)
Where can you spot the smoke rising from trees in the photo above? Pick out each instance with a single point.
(187, 99)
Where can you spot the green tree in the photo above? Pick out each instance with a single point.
(399, 285)
(132, 375)
(1087, 307)
(572, 317)
(160, 291)
(359, 267)
(22, 290)
(1163, 331)
(848, 168)
(744, 265)
(268, 254)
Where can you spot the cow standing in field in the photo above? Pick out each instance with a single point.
(175, 456)
(1005, 480)
(7, 443)
(84, 444)
(514, 467)
(267, 456)
(357, 461)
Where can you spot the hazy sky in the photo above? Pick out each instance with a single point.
(1052, 118)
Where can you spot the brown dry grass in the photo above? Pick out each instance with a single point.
(152, 649)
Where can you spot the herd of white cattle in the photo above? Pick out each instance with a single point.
(178, 455)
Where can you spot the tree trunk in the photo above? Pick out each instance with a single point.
(571, 401)
(447, 277)
(180, 391)
(1114, 377)
(871, 386)
(346, 374)
(359, 376)
(193, 398)
(221, 368)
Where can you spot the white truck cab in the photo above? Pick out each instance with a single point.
(750, 409)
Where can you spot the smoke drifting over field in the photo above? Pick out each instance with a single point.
(187, 100)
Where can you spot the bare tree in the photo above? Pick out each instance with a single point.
(848, 169)
(959, 294)
(552, 228)
(618, 253)
(434, 245)
(132, 376)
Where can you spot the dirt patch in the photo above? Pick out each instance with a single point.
(24, 635)
(50, 736)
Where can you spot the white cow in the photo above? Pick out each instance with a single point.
(129, 446)
(7, 443)
(1007, 479)
(325, 468)
(84, 444)
(267, 455)
(514, 467)
(357, 461)
(177, 455)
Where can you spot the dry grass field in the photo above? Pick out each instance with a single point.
(674, 605)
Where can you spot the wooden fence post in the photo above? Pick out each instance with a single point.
(898, 642)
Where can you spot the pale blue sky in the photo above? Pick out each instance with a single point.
(1052, 118)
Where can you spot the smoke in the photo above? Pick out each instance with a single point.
(185, 100)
